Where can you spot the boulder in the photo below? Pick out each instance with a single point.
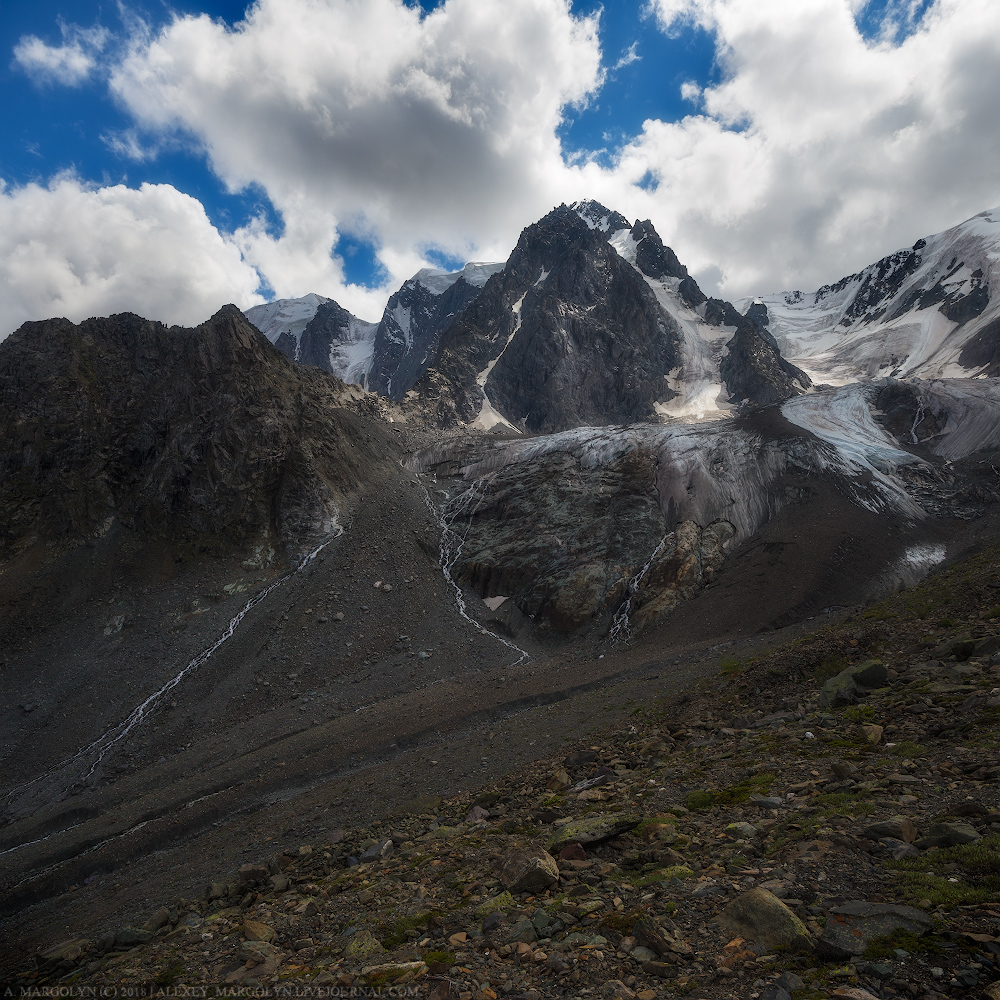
(853, 683)
(898, 828)
(128, 936)
(377, 851)
(948, 835)
(852, 927)
(396, 973)
(254, 930)
(68, 953)
(362, 944)
(593, 829)
(528, 870)
(762, 917)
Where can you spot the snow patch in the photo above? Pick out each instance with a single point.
(437, 281)
(488, 416)
(290, 316)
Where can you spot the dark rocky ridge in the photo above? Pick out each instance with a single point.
(753, 369)
(590, 344)
(401, 357)
(207, 433)
(325, 329)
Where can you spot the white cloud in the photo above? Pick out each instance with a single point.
(628, 57)
(69, 64)
(364, 116)
(816, 152)
(819, 151)
(75, 250)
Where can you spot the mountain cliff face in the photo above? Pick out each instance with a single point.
(409, 334)
(206, 433)
(567, 334)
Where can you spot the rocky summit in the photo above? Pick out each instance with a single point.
(565, 632)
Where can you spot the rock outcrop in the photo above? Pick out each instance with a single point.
(205, 434)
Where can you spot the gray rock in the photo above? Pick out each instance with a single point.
(949, 835)
(642, 954)
(381, 849)
(67, 952)
(761, 916)
(850, 928)
(128, 936)
(768, 802)
(853, 683)
(528, 870)
(899, 848)
(775, 992)
(898, 828)
(159, 919)
(523, 930)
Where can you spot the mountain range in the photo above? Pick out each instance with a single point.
(241, 558)
(563, 320)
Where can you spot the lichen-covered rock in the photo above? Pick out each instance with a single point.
(850, 928)
(497, 904)
(762, 917)
(362, 944)
(851, 684)
(593, 829)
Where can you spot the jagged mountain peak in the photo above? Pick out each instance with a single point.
(600, 218)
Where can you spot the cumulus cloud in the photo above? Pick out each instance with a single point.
(74, 250)
(820, 151)
(816, 151)
(70, 63)
(368, 117)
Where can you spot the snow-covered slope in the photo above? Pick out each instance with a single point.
(288, 316)
(930, 311)
(387, 356)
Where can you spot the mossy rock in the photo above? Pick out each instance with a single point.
(498, 904)
(593, 829)
(362, 944)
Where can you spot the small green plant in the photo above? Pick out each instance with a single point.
(444, 957)
(699, 800)
(906, 748)
(731, 667)
(883, 947)
(992, 613)
(947, 622)
(394, 934)
(859, 713)
(828, 668)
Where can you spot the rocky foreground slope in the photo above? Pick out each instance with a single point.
(820, 821)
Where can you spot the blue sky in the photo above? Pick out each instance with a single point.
(773, 142)
(47, 128)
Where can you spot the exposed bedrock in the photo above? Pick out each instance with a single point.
(575, 332)
(689, 561)
(561, 540)
(207, 436)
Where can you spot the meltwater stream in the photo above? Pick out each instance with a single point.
(621, 626)
(95, 752)
(450, 549)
